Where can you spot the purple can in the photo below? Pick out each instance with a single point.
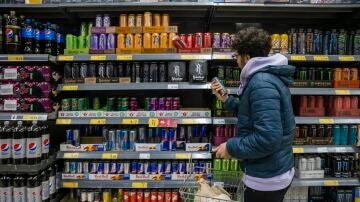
(153, 104)
(133, 104)
(225, 37)
(102, 42)
(98, 21)
(111, 41)
(162, 103)
(94, 41)
(106, 20)
(168, 103)
(176, 103)
(216, 40)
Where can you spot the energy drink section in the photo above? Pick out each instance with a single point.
(126, 100)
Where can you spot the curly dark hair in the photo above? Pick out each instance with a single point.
(252, 41)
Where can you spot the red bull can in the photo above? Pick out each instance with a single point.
(112, 168)
(92, 167)
(100, 167)
(153, 168)
(73, 167)
(175, 167)
(182, 167)
(160, 167)
(119, 168)
(172, 139)
(201, 167)
(126, 167)
(140, 168)
(66, 167)
(146, 167)
(85, 167)
(164, 140)
(166, 167)
(134, 167)
(79, 167)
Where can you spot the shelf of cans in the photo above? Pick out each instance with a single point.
(320, 193)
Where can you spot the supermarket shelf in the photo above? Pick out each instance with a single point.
(302, 149)
(27, 58)
(224, 120)
(8, 116)
(314, 91)
(301, 58)
(133, 86)
(298, 120)
(134, 155)
(26, 169)
(326, 182)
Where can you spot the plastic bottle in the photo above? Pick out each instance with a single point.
(33, 141)
(45, 186)
(59, 42)
(28, 33)
(6, 189)
(19, 144)
(52, 182)
(37, 38)
(19, 193)
(12, 34)
(45, 142)
(33, 189)
(5, 143)
(49, 39)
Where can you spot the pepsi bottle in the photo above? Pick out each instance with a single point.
(19, 144)
(49, 38)
(19, 193)
(52, 182)
(6, 189)
(37, 38)
(33, 141)
(45, 142)
(28, 37)
(59, 43)
(33, 189)
(45, 186)
(5, 143)
(12, 34)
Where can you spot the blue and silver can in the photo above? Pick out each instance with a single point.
(106, 167)
(160, 168)
(111, 140)
(166, 167)
(112, 168)
(120, 168)
(132, 140)
(153, 168)
(117, 140)
(164, 140)
(140, 168)
(146, 167)
(67, 167)
(126, 167)
(172, 139)
(134, 167)
(69, 136)
(79, 167)
(92, 167)
(175, 167)
(182, 167)
(85, 167)
(73, 167)
(100, 168)
(124, 140)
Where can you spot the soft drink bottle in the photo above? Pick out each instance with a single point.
(45, 142)
(28, 33)
(19, 193)
(12, 34)
(37, 38)
(59, 43)
(33, 141)
(33, 189)
(57, 176)
(6, 189)
(45, 186)
(49, 39)
(19, 144)
(52, 182)
(5, 143)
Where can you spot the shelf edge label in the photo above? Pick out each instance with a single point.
(70, 88)
(182, 156)
(346, 58)
(109, 156)
(97, 121)
(124, 57)
(97, 57)
(66, 58)
(298, 58)
(321, 58)
(71, 155)
(63, 121)
(70, 185)
(15, 58)
(326, 121)
(342, 92)
(139, 185)
(330, 183)
(130, 121)
(298, 150)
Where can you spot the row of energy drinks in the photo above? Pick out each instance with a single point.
(325, 74)
(322, 194)
(228, 75)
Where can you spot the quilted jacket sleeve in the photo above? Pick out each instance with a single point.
(266, 123)
(232, 104)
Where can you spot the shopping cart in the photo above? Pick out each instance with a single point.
(230, 181)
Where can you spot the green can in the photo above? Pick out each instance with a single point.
(96, 103)
(82, 104)
(87, 42)
(147, 104)
(81, 42)
(119, 102)
(87, 106)
(225, 165)
(84, 29)
(110, 102)
(234, 165)
(74, 104)
(90, 25)
(125, 104)
(217, 164)
(220, 73)
(69, 41)
(65, 104)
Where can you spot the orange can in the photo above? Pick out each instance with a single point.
(161, 196)
(157, 20)
(155, 40)
(168, 196)
(123, 20)
(147, 196)
(147, 19)
(171, 37)
(165, 20)
(129, 41)
(133, 196)
(147, 40)
(131, 20)
(164, 40)
(138, 41)
(153, 196)
(337, 74)
(126, 196)
(140, 196)
(139, 20)
(121, 40)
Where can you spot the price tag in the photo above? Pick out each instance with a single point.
(173, 86)
(144, 156)
(322, 150)
(189, 121)
(124, 57)
(153, 122)
(63, 121)
(298, 58)
(109, 156)
(331, 183)
(10, 73)
(346, 58)
(340, 149)
(326, 121)
(139, 185)
(298, 150)
(182, 156)
(71, 155)
(66, 58)
(14, 117)
(70, 185)
(10, 105)
(342, 92)
(30, 117)
(70, 88)
(97, 57)
(97, 121)
(15, 58)
(130, 121)
(321, 58)
(222, 57)
(7, 89)
(33, 1)
(219, 121)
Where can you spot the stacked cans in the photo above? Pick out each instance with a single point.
(162, 103)
(226, 165)
(314, 74)
(112, 104)
(103, 41)
(197, 40)
(223, 133)
(138, 167)
(228, 75)
(83, 40)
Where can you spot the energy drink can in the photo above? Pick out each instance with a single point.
(175, 167)
(160, 167)
(112, 168)
(120, 168)
(106, 195)
(131, 20)
(129, 39)
(352, 135)
(217, 164)
(111, 41)
(132, 140)
(98, 21)
(138, 41)
(156, 20)
(139, 20)
(302, 165)
(198, 40)
(201, 167)
(162, 72)
(153, 77)
(79, 167)
(311, 164)
(344, 134)
(106, 20)
(172, 139)
(73, 167)
(106, 167)
(140, 168)
(147, 40)
(318, 163)
(134, 167)
(102, 42)
(301, 42)
(69, 136)
(336, 135)
(155, 40)
(216, 40)
(337, 166)
(166, 167)
(92, 167)
(164, 140)
(100, 167)
(126, 167)
(234, 165)
(67, 167)
(111, 140)
(121, 41)
(123, 142)
(146, 167)
(225, 165)
(76, 137)
(208, 167)
(153, 167)
(345, 167)
(164, 40)
(85, 166)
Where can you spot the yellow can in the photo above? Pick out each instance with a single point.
(275, 43)
(131, 20)
(155, 40)
(165, 20)
(171, 37)
(139, 20)
(138, 41)
(106, 196)
(157, 20)
(129, 41)
(121, 40)
(123, 20)
(120, 195)
(147, 40)
(284, 43)
(164, 40)
(147, 19)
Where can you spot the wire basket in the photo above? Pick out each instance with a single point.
(230, 181)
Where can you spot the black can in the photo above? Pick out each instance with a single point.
(146, 73)
(101, 70)
(75, 71)
(345, 167)
(137, 72)
(92, 70)
(312, 131)
(311, 74)
(120, 70)
(337, 166)
(162, 72)
(328, 131)
(320, 131)
(109, 71)
(67, 71)
(304, 131)
(83, 70)
(128, 70)
(153, 72)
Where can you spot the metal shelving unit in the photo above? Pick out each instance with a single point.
(9, 116)
(5, 58)
(325, 182)
(312, 149)
(26, 169)
(298, 120)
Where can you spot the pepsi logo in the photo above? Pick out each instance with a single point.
(46, 142)
(47, 31)
(9, 33)
(37, 31)
(4, 147)
(17, 147)
(28, 29)
(32, 146)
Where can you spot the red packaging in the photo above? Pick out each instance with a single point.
(311, 101)
(227, 131)
(207, 40)
(140, 196)
(346, 74)
(330, 104)
(126, 196)
(338, 102)
(160, 196)
(183, 37)
(303, 102)
(198, 40)
(178, 42)
(354, 102)
(175, 196)
(167, 196)
(319, 102)
(153, 196)
(189, 41)
(133, 196)
(346, 102)
(147, 196)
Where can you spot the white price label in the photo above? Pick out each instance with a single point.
(6, 89)
(340, 149)
(144, 156)
(10, 105)
(14, 117)
(220, 184)
(219, 121)
(322, 150)
(10, 74)
(173, 86)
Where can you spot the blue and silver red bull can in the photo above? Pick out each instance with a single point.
(111, 41)
(120, 168)
(201, 167)
(182, 167)
(124, 138)
(79, 167)
(141, 135)
(69, 136)
(112, 168)
(172, 139)
(164, 140)
(175, 167)
(134, 167)
(67, 167)
(73, 167)
(126, 167)
(166, 167)
(85, 167)
(160, 167)
(102, 42)
(140, 167)
(208, 167)
(132, 140)
(146, 167)
(117, 139)
(153, 168)
(92, 167)
(111, 140)
(100, 167)
(106, 167)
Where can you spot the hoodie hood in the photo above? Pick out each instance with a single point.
(276, 64)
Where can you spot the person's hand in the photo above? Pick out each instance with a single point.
(222, 152)
(216, 89)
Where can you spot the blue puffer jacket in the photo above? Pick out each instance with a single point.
(266, 123)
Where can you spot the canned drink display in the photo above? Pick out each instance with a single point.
(165, 20)
(123, 20)
(131, 20)
(155, 40)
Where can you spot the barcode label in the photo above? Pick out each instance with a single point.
(10, 74)
(10, 105)
(6, 89)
